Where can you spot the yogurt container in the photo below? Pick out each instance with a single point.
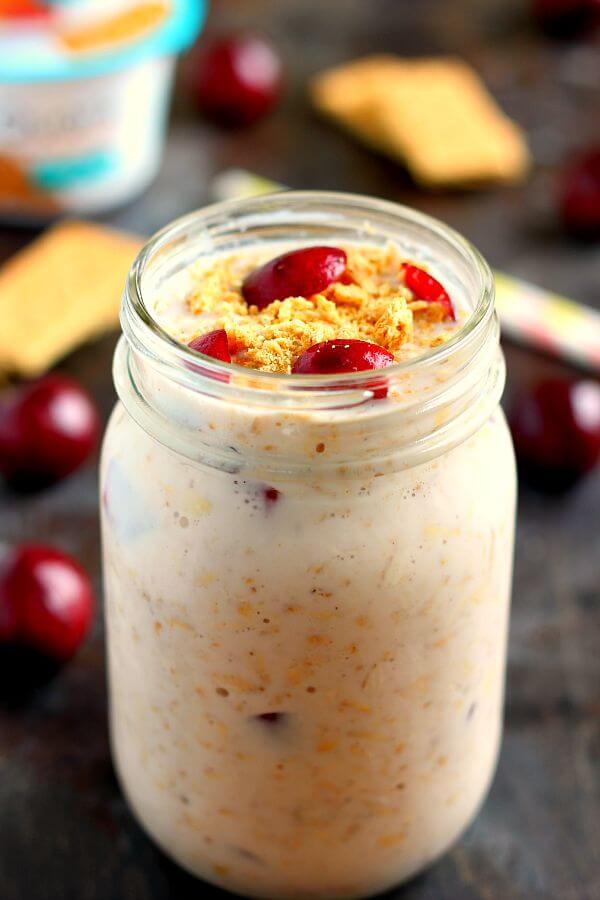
(84, 93)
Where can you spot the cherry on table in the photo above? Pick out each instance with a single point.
(556, 432)
(579, 199)
(299, 273)
(46, 601)
(238, 79)
(48, 428)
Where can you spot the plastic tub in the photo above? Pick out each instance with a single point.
(84, 95)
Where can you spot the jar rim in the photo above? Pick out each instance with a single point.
(144, 331)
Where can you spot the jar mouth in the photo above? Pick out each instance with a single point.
(270, 213)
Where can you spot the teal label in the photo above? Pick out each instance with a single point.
(56, 174)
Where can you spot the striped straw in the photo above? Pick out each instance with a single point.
(548, 322)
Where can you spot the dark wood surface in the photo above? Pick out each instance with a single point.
(65, 831)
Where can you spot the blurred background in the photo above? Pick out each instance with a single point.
(65, 831)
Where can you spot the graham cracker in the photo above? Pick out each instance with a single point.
(127, 25)
(60, 291)
(433, 114)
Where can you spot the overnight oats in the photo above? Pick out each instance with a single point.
(308, 496)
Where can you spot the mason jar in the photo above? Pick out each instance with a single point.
(307, 582)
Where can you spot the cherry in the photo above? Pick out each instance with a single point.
(212, 344)
(556, 432)
(566, 18)
(579, 199)
(299, 273)
(425, 287)
(238, 79)
(332, 357)
(46, 601)
(48, 428)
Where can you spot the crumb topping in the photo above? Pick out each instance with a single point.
(369, 303)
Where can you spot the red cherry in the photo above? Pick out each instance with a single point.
(580, 194)
(299, 273)
(214, 344)
(47, 598)
(556, 432)
(48, 428)
(427, 288)
(330, 357)
(333, 357)
(238, 79)
(566, 18)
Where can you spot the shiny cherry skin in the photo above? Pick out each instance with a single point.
(238, 79)
(566, 18)
(46, 601)
(579, 199)
(340, 355)
(556, 432)
(335, 357)
(48, 428)
(214, 344)
(425, 287)
(299, 273)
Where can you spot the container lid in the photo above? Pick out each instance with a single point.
(57, 40)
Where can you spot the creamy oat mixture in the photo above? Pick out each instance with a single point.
(306, 665)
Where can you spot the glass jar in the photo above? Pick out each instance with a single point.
(307, 587)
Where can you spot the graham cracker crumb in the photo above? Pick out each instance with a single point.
(394, 325)
(370, 303)
(430, 312)
(219, 291)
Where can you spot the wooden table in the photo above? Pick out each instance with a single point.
(65, 832)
